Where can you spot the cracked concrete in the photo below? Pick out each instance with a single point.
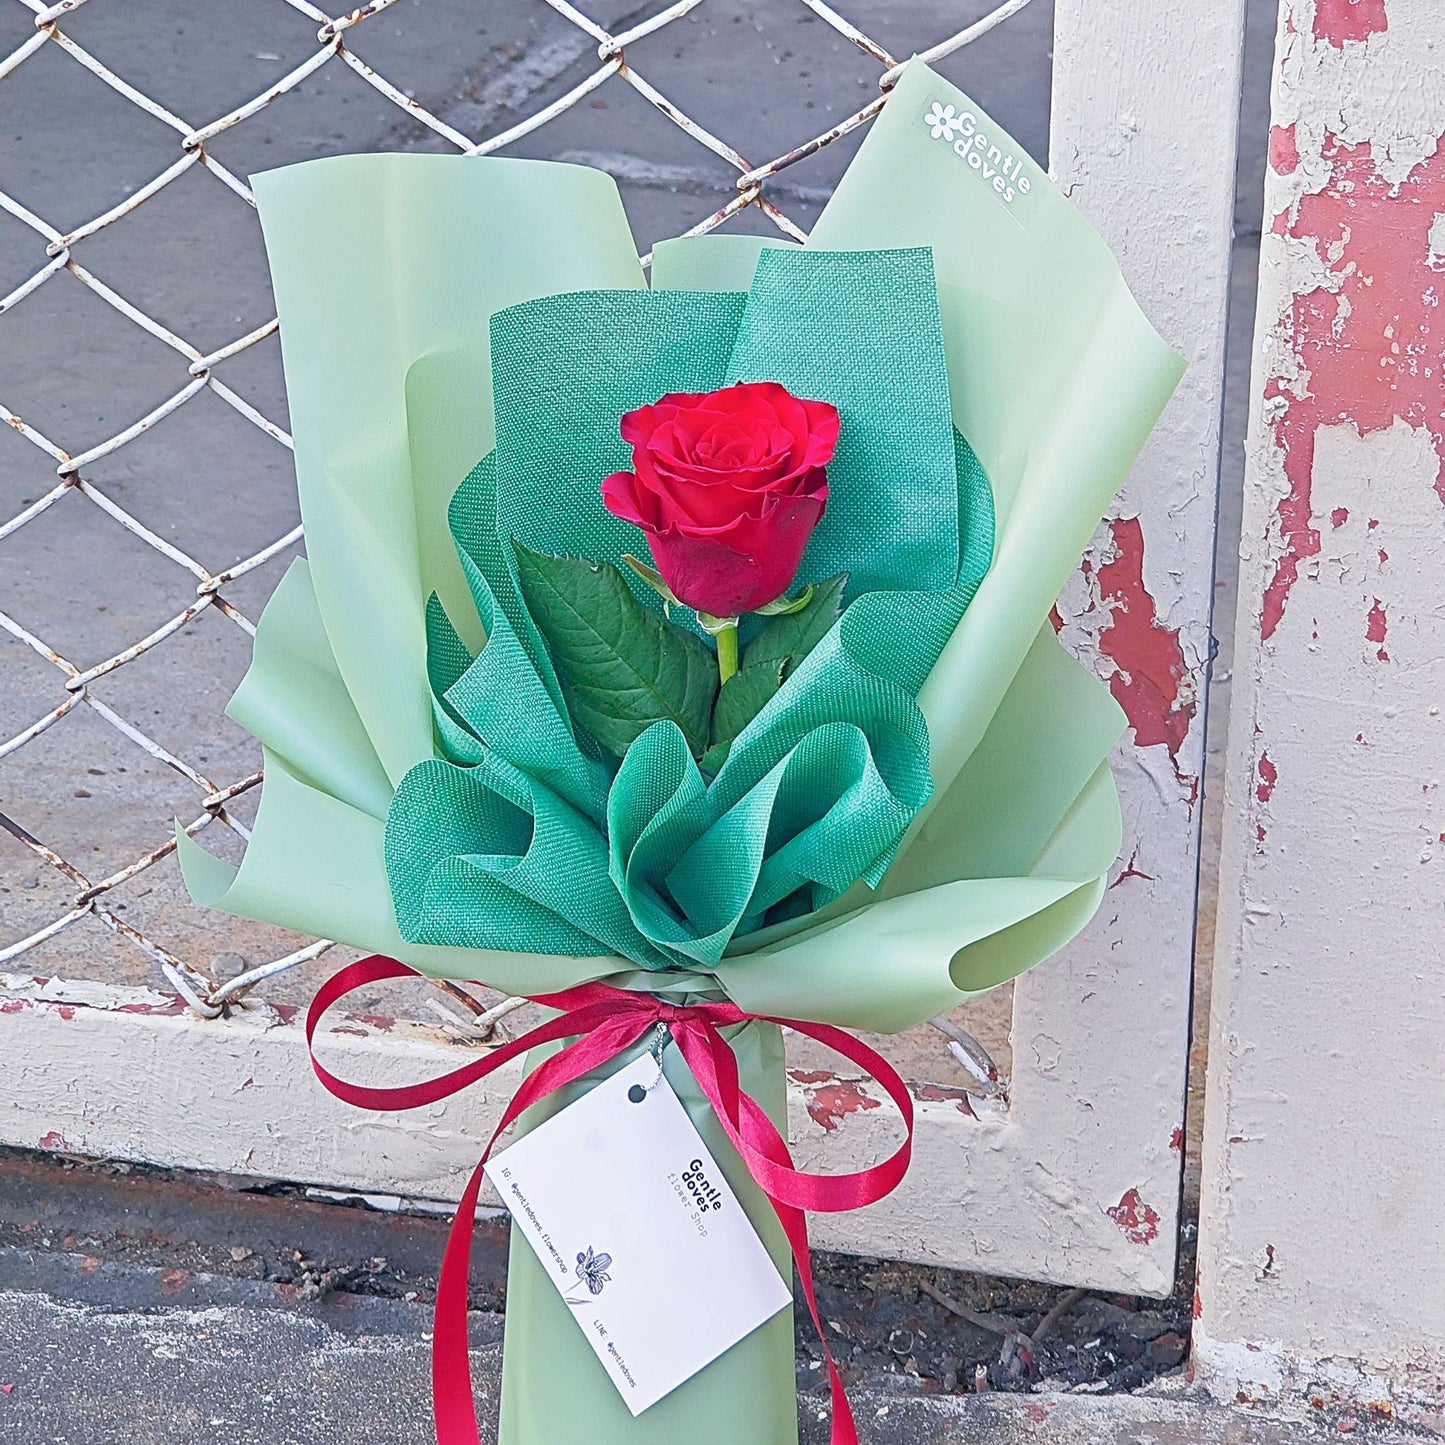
(232, 1374)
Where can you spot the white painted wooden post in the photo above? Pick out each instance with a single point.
(1322, 1249)
(1143, 139)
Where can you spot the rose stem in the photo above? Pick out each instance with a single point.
(727, 649)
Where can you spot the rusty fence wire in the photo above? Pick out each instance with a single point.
(59, 254)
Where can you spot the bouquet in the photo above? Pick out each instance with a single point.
(679, 655)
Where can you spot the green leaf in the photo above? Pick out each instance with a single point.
(742, 698)
(712, 760)
(788, 639)
(621, 667)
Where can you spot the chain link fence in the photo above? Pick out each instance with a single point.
(146, 499)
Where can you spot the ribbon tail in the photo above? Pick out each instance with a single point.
(451, 1362)
(755, 1136)
(795, 1226)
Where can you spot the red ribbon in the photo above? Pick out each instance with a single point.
(604, 1022)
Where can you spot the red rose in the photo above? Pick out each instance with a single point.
(728, 487)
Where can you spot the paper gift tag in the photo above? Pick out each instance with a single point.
(636, 1226)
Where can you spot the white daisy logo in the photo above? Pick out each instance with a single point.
(943, 120)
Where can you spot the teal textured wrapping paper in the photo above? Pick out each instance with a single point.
(519, 836)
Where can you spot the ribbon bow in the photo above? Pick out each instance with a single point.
(604, 1022)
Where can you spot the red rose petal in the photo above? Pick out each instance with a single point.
(619, 496)
(684, 501)
(824, 427)
(743, 567)
(728, 485)
(705, 575)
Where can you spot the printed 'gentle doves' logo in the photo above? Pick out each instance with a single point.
(944, 121)
(1002, 169)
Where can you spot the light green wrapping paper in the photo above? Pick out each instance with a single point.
(387, 270)
(553, 1390)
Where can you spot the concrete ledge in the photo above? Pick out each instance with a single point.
(247, 1374)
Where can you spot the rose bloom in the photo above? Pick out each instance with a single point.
(728, 487)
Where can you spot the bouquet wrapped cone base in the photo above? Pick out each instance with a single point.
(554, 1389)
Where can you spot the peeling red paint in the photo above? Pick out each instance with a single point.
(53, 1140)
(1377, 626)
(1268, 777)
(1283, 150)
(1176, 1141)
(830, 1104)
(1339, 517)
(1367, 344)
(173, 1281)
(1139, 1221)
(377, 1021)
(1339, 21)
(809, 1076)
(352, 1033)
(67, 1011)
(173, 1006)
(1131, 870)
(1150, 680)
(1301, 540)
(944, 1094)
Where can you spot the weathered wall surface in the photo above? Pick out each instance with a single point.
(1323, 1218)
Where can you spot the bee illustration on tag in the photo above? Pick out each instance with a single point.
(591, 1271)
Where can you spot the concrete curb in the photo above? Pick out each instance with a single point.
(248, 1374)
